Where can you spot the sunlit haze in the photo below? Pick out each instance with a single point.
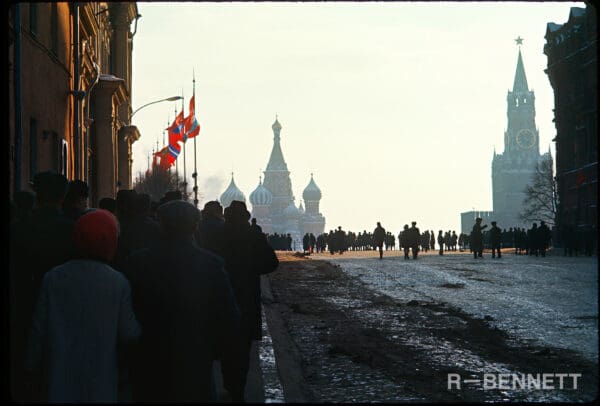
(394, 107)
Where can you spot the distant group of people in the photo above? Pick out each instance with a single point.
(131, 296)
(534, 241)
(280, 242)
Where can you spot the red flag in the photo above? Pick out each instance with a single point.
(175, 130)
(167, 156)
(191, 127)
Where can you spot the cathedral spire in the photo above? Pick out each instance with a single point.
(520, 84)
(276, 161)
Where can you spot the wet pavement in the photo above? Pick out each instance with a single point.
(392, 330)
(551, 301)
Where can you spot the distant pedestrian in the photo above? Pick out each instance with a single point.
(414, 238)
(545, 238)
(495, 240)
(404, 238)
(379, 238)
(440, 239)
(476, 238)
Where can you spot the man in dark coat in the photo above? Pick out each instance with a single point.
(379, 237)
(137, 229)
(404, 238)
(415, 235)
(76, 199)
(477, 238)
(247, 255)
(495, 240)
(545, 237)
(441, 242)
(306, 243)
(37, 243)
(533, 240)
(185, 304)
(209, 234)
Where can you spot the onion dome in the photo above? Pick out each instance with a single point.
(231, 193)
(291, 212)
(276, 126)
(312, 192)
(301, 208)
(261, 196)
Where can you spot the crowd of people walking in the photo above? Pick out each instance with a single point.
(533, 241)
(132, 300)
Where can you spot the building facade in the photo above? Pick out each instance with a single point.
(273, 202)
(572, 69)
(70, 93)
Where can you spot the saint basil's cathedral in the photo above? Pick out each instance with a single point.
(272, 201)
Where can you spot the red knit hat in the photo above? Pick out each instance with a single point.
(95, 235)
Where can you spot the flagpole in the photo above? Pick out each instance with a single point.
(195, 174)
(164, 143)
(184, 140)
(176, 164)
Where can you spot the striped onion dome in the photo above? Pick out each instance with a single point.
(312, 192)
(231, 193)
(261, 196)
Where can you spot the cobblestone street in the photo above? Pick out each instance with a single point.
(392, 330)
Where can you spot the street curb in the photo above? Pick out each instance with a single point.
(287, 355)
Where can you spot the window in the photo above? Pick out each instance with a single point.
(64, 159)
(54, 29)
(32, 148)
(33, 18)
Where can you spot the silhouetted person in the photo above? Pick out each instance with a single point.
(312, 241)
(184, 301)
(477, 238)
(108, 203)
(379, 238)
(138, 229)
(404, 238)
(414, 239)
(247, 256)
(533, 240)
(38, 243)
(306, 243)
(76, 199)
(545, 237)
(495, 240)
(83, 313)
(172, 195)
(440, 239)
(255, 227)
(209, 234)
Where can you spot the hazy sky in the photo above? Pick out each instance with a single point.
(395, 107)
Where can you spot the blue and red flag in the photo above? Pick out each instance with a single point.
(175, 130)
(168, 155)
(191, 127)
